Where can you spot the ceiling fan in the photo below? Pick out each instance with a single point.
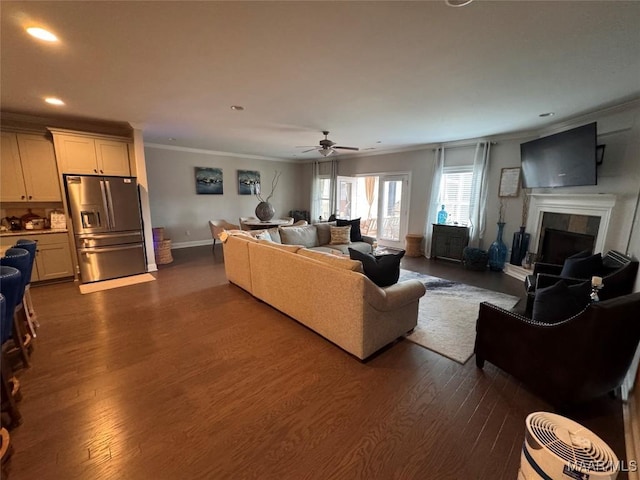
(327, 147)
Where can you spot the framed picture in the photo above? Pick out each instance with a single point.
(248, 182)
(209, 181)
(509, 182)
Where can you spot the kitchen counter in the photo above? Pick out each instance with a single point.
(21, 233)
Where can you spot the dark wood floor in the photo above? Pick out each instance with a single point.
(189, 377)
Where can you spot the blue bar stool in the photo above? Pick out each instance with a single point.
(18, 258)
(10, 278)
(31, 247)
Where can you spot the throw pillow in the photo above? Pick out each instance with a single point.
(340, 235)
(264, 235)
(383, 270)
(356, 236)
(582, 267)
(560, 301)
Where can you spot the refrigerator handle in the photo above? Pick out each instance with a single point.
(104, 203)
(112, 216)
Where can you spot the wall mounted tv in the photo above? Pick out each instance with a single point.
(565, 159)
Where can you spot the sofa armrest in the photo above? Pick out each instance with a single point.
(394, 296)
(549, 268)
(368, 239)
(543, 280)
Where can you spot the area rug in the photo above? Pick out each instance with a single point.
(115, 283)
(448, 313)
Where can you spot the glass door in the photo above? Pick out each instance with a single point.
(346, 204)
(393, 210)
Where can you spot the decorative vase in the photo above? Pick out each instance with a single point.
(519, 247)
(265, 211)
(498, 251)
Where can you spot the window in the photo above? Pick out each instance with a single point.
(455, 193)
(325, 198)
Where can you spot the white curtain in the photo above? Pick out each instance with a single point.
(333, 175)
(478, 205)
(315, 191)
(322, 170)
(434, 201)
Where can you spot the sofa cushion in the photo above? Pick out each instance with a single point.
(559, 301)
(274, 233)
(306, 235)
(338, 261)
(324, 232)
(340, 235)
(356, 236)
(363, 247)
(383, 270)
(582, 267)
(281, 246)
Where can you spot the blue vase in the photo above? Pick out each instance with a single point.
(498, 251)
(442, 216)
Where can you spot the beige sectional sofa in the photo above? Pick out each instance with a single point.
(325, 292)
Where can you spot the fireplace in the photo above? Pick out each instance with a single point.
(557, 245)
(577, 207)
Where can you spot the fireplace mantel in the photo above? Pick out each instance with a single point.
(597, 205)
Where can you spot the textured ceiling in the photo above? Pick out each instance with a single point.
(403, 74)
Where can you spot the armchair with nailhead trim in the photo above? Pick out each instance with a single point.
(572, 361)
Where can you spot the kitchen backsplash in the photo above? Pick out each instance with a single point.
(41, 209)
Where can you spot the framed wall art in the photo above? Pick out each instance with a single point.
(209, 181)
(248, 182)
(509, 182)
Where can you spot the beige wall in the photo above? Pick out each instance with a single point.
(176, 206)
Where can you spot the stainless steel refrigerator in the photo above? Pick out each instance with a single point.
(105, 212)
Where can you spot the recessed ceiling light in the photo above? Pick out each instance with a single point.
(54, 101)
(42, 34)
(457, 3)
(237, 107)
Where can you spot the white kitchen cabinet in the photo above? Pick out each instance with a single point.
(88, 155)
(29, 172)
(53, 254)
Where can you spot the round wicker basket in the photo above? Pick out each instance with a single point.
(162, 251)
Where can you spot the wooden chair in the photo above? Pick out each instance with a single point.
(219, 226)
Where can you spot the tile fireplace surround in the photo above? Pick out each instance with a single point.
(596, 205)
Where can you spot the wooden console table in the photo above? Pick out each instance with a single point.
(448, 241)
(258, 224)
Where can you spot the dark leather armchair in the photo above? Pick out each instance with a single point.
(618, 277)
(580, 358)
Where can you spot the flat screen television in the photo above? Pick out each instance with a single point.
(565, 159)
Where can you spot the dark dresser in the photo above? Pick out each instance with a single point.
(448, 241)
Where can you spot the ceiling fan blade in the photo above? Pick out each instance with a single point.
(310, 150)
(346, 148)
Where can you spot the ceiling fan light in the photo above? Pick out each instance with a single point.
(325, 152)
